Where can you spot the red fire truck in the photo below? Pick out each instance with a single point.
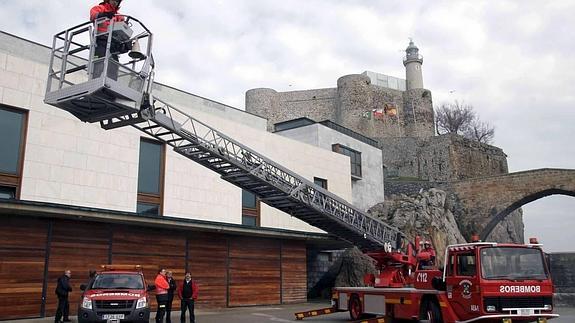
(480, 282)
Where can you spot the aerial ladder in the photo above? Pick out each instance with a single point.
(122, 96)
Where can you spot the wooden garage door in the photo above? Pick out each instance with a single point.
(79, 247)
(294, 272)
(22, 259)
(207, 262)
(151, 249)
(254, 271)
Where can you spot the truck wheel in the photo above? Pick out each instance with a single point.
(355, 308)
(431, 312)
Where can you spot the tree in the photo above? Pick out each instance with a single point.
(461, 119)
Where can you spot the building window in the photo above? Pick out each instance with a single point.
(354, 156)
(250, 209)
(150, 177)
(321, 182)
(13, 133)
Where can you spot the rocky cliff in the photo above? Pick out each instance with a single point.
(427, 214)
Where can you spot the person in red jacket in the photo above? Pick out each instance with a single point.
(162, 287)
(107, 9)
(188, 293)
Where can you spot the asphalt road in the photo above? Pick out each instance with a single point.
(284, 313)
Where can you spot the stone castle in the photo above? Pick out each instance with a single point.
(399, 115)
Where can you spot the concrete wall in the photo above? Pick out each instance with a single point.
(562, 267)
(69, 162)
(368, 190)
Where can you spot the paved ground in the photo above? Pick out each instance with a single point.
(284, 313)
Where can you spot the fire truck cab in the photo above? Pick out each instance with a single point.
(493, 282)
(117, 293)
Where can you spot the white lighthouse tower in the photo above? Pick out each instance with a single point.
(412, 63)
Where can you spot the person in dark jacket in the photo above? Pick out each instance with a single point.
(188, 293)
(171, 291)
(62, 289)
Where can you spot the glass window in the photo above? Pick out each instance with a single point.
(150, 169)
(512, 263)
(466, 265)
(321, 182)
(7, 193)
(354, 157)
(148, 209)
(249, 220)
(250, 209)
(118, 281)
(248, 200)
(11, 125)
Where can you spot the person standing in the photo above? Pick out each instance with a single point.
(107, 9)
(162, 287)
(171, 290)
(62, 289)
(188, 293)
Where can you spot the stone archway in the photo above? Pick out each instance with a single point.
(489, 200)
(517, 204)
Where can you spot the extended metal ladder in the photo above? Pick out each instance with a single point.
(107, 100)
(275, 185)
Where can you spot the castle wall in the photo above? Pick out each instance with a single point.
(400, 156)
(472, 159)
(355, 104)
(317, 105)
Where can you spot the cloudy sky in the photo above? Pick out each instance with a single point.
(512, 60)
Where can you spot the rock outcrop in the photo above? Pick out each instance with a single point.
(427, 214)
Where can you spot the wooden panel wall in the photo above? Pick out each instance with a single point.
(254, 271)
(22, 258)
(152, 249)
(230, 270)
(207, 262)
(294, 272)
(79, 247)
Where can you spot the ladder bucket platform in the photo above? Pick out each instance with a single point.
(77, 82)
(93, 106)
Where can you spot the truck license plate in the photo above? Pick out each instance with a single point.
(526, 312)
(113, 316)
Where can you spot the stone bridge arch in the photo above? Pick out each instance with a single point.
(489, 200)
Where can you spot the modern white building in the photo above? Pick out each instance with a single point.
(366, 161)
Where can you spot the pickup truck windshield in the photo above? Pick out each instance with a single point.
(118, 281)
(512, 263)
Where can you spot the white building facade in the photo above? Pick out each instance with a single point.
(364, 157)
(62, 160)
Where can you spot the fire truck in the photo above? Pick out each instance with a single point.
(480, 282)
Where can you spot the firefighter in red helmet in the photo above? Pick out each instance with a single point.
(107, 9)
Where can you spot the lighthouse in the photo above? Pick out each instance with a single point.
(412, 63)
